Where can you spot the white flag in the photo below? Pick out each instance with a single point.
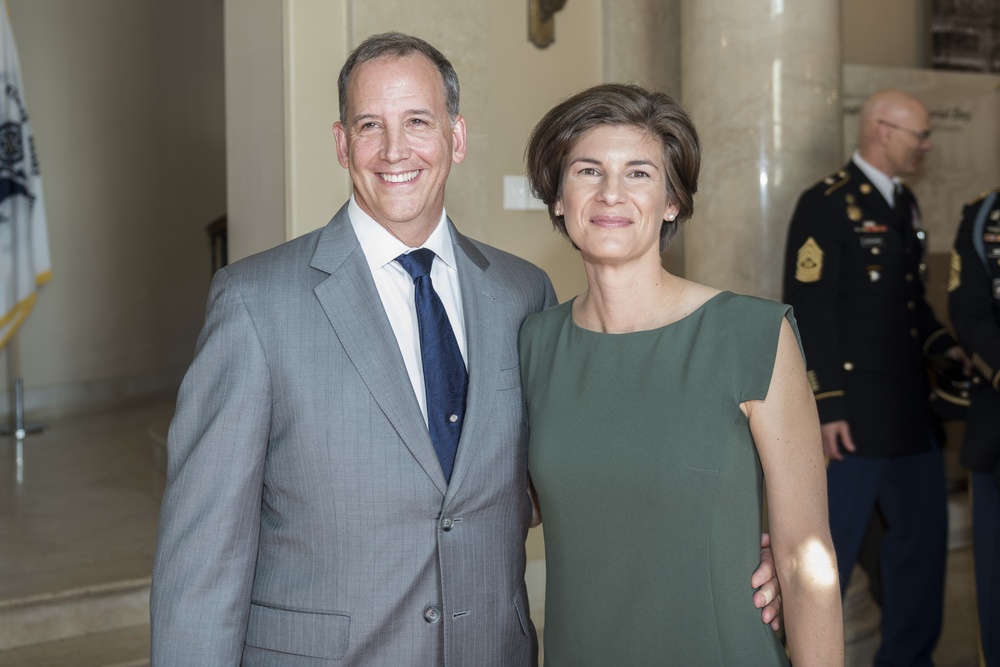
(24, 242)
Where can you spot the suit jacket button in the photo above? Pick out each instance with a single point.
(848, 366)
(447, 524)
(432, 615)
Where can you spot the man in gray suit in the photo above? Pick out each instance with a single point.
(307, 518)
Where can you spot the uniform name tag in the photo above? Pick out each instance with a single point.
(872, 227)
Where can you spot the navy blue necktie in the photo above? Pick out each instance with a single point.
(445, 377)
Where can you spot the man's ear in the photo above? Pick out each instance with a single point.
(340, 135)
(458, 140)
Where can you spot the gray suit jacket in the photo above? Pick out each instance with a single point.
(306, 520)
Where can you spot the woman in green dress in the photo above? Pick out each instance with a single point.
(657, 407)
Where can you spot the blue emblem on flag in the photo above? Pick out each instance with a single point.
(11, 143)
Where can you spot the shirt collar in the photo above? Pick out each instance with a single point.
(382, 248)
(885, 185)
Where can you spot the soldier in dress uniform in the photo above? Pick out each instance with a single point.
(974, 306)
(853, 273)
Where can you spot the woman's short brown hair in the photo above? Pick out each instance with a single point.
(616, 104)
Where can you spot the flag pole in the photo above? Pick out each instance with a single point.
(17, 427)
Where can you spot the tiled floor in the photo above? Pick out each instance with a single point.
(86, 507)
(84, 513)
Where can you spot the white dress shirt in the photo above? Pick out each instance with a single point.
(887, 186)
(395, 287)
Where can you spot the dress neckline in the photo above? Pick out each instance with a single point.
(703, 306)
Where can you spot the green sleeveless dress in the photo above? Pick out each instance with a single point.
(650, 485)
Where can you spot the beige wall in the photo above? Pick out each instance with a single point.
(887, 33)
(126, 101)
(255, 121)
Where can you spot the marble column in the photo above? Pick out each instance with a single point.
(641, 47)
(761, 79)
(762, 82)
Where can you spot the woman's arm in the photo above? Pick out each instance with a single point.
(536, 512)
(785, 427)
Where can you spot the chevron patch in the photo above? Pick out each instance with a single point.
(809, 267)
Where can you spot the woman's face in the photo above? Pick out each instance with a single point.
(614, 194)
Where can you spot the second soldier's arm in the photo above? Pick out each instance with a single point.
(972, 298)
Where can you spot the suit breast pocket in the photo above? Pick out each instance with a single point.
(509, 378)
(314, 634)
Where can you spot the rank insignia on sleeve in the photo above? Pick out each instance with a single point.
(955, 275)
(854, 213)
(809, 266)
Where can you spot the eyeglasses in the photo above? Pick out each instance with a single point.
(921, 136)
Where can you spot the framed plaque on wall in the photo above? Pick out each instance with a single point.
(965, 35)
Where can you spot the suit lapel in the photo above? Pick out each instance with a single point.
(480, 302)
(352, 304)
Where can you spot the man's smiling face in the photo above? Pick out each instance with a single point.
(398, 143)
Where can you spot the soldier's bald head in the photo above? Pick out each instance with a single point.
(889, 105)
(893, 131)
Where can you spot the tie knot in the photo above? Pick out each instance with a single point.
(417, 263)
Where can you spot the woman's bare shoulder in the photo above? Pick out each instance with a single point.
(696, 295)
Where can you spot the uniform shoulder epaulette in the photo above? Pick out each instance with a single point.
(835, 181)
(973, 202)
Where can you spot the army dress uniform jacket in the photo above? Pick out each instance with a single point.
(853, 275)
(974, 306)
